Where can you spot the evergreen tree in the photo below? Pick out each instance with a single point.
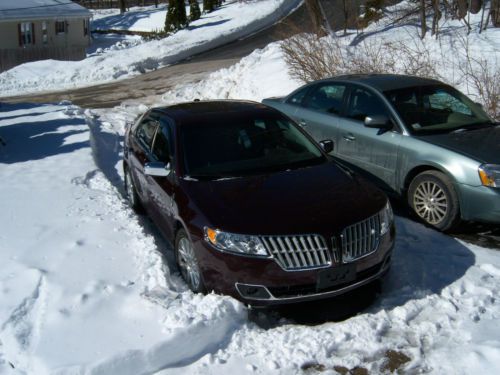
(176, 16)
(209, 5)
(194, 10)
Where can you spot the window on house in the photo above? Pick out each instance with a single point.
(45, 37)
(61, 27)
(26, 35)
(85, 27)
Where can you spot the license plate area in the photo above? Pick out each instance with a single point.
(336, 276)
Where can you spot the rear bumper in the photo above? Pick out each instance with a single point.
(262, 282)
(480, 203)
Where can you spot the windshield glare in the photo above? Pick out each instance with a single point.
(246, 146)
(433, 109)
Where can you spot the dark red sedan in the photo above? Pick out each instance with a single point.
(254, 207)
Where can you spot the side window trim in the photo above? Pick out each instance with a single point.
(147, 149)
(393, 117)
(164, 127)
(307, 91)
(313, 88)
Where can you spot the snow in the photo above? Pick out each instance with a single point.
(228, 23)
(89, 287)
(146, 19)
(39, 9)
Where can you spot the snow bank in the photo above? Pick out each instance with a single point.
(232, 21)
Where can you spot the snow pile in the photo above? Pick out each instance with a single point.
(230, 22)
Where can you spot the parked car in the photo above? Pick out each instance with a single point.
(253, 206)
(416, 137)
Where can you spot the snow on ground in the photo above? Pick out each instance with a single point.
(147, 18)
(87, 286)
(233, 20)
(84, 287)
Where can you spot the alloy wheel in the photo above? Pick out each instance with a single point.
(188, 263)
(430, 202)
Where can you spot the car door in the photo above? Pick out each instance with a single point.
(319, 114)
(140, 154)
(161, 189)
(374, 151)
(291, 104)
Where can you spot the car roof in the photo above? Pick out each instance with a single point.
(385, 82)
(200, 111)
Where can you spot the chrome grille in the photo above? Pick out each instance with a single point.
(360, 239)
(298, 252)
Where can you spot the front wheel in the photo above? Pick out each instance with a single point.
(131, 192)
(187, 262)
(433, 198)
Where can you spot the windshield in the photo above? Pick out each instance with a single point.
(245, 146)
(436, 108)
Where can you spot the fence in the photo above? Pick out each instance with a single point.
(12, 57)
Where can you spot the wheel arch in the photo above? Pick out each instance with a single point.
(415, 171)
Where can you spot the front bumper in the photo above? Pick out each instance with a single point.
(262, 282)
(480, 203)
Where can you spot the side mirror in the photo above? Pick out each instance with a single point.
(157, 169)
(326, 145)
(378, 122)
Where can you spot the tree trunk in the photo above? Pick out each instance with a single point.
(316, 17)
(475, 6)
(123, 6)
(423, 15)
(462, 8)
(435, 17)
(495, 13)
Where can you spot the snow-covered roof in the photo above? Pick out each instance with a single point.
(39, 9)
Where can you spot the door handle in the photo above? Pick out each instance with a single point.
(349, 137)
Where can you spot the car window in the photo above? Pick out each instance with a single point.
(297, 98)
(327, 98)
(435, 108)
(162, 146)
(146, 132)
(246, 146)
(442, 100)
(365, 103)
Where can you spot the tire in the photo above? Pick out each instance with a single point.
(131, 193)
(187, 263)
(434, 200)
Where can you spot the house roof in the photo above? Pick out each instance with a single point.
(13, 10)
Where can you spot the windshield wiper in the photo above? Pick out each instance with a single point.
(476, 126)
(208, 177)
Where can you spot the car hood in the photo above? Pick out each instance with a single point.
(321, 199)
(480, 144)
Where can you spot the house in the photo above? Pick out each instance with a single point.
(42, 29)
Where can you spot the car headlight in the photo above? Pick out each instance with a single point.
(490, 175)
(235, 243)
(386, 218)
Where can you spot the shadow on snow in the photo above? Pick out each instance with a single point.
(37, 140)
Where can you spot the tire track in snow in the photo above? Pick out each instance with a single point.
(21, 329)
